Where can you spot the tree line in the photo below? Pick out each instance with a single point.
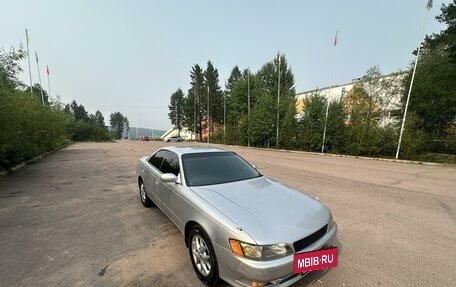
(258, 108)
(247, 107)
(29, 128)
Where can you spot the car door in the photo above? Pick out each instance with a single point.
(169, 191)
(152, 176)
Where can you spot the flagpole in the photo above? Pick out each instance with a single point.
(28, 59)
(329, 97)
(39, 78)
(428, 6)
(49, 83)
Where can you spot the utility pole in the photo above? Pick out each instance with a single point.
(207, 120)
(278, 105)
(194, 114)
(248, 107)
(39, 77)
(177, 118)
(28, 59)
(224, 116)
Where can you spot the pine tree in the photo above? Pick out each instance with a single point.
(176, 110)
(213, 98)
(193, 111)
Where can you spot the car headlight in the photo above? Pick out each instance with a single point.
(330, 221)
(260, 252)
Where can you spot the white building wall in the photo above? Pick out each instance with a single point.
(391, 98)
(185, 134)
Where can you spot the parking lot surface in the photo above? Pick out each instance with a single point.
(74, 218)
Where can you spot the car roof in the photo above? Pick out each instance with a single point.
(181, 150)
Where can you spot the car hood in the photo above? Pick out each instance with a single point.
(268, 211)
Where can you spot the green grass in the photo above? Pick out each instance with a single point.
(437, 157)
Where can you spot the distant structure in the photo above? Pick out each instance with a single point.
(185, 134)
(136, 132)
(391, 98)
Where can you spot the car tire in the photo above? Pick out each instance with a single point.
(203, 256)
(145, 200)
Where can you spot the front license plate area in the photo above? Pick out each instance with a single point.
(315, 260)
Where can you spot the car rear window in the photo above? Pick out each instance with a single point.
(216, 168)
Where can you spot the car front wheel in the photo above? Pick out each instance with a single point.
(203, 257)
(145, 200)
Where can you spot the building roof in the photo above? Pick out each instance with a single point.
(354, 81)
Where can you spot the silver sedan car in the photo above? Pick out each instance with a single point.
(238, 225)
(175, 139)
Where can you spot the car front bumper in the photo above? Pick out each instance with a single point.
(240, 271)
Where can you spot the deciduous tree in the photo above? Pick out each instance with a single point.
(268, 77)
(118, 124)
(311, 123)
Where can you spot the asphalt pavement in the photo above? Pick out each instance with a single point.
(73, 218)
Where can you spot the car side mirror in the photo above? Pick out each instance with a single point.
(168, 177)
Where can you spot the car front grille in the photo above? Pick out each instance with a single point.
(309, 240)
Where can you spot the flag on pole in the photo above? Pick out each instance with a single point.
(429, 4)
(335, 38)
(47, 69)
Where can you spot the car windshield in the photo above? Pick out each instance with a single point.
(216, 168)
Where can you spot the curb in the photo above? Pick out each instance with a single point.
(340, 155)
(36, 158)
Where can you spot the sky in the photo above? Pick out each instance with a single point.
(130, 56)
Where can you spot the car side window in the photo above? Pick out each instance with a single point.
(170, 163)
(157, 159)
